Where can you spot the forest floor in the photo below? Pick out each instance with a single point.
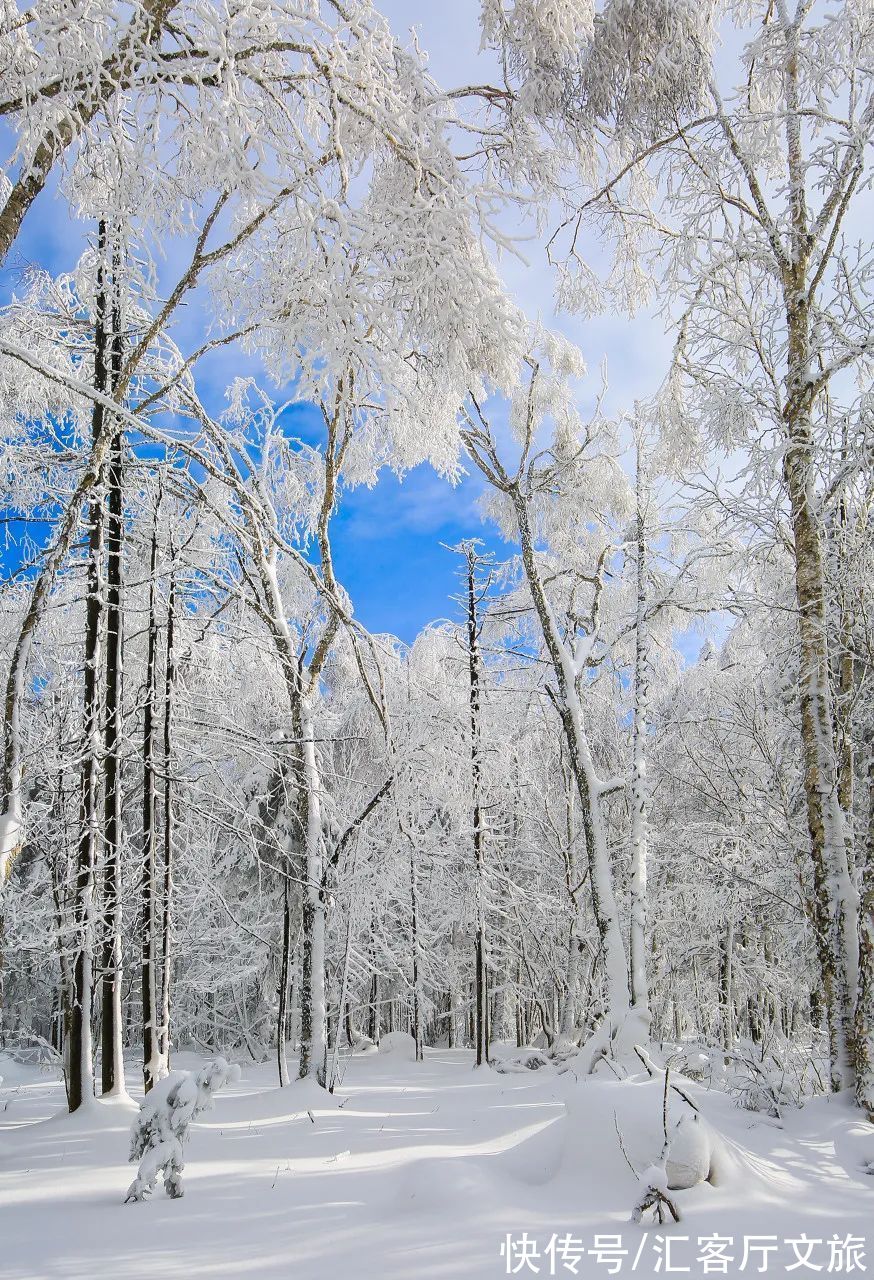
(423, 1170)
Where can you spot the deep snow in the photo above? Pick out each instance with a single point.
(415, 1170)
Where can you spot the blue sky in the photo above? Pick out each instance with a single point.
(388, 539)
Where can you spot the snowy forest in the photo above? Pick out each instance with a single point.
(547, 924)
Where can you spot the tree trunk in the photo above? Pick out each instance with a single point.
(835, 907)
(80, 1085)
(864, 1024)
(589, 787)
(112, 1061)
(480, 1011)
(167, 889)
(414, 938)
(285, 966)
(639, 730)
(314, 1029)
(568, 1007)
(726, 984)
(151, 1054)
(836, 903)
(373, 1004)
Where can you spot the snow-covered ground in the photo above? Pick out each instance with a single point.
(423, 1170)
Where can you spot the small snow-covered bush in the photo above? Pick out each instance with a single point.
(31, 1050)
(519, 1063)
(160, 1129)
(362, 1043)
(768, 1077)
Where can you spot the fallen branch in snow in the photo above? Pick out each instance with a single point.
(655, 1196)
(654, 1181)
(689, 1156)
(695, 1149)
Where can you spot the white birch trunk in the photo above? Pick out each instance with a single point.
(639, 784)
(567, 1018)
(836, 905)
(314, 1032)
(568, 668)
(864, 1019)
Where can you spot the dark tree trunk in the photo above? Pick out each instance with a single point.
(110, 1031)
(167, 898)
(474, 596)
(80, 1084)
(414, 930)
(282, 1016)
(373, 1003)
(150, 1040)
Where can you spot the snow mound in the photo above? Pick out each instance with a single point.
(603, 1113)
(399, 1044)
(305, 1096)
(690, 1153)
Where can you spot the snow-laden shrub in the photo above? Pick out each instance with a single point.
(362, 1043)
(522, 1062)
(767, 1077)
(160, 1129)
(30, 1050)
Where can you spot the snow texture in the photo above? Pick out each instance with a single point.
(410, 1169)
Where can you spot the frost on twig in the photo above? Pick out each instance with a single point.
(160, 1129)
